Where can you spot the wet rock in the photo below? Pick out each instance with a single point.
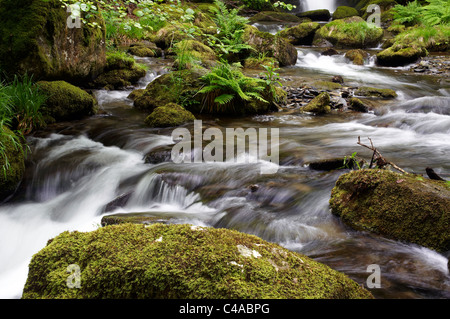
(375, 92)
(180, 262)
(357, 56)
(118, 202)
(145, 49)
(398, 55)
(159, 155)
(337, 79)
(316, 15)
(330, 52)
(275, 16)
(336, 163)
(344, 12)
(357, 105)
(403, 207)
(319, 105)
(133, 218)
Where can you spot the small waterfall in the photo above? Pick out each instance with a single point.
(318, 4)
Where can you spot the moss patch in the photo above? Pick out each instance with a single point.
(374, 92)
(65, 101)
(274, 16)
(352, 33)
(344, 12)
(169, 115)
(301, 34)
(182, 262)
(319, 105)
(400, 207)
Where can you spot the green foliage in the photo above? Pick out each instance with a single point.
(21, 102)
(226, 86)
(271, 78)
(434, 13)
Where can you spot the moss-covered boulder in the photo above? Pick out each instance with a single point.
(260, 63)
(403, 207)
(357, 105)
(327, 85)
(399, 55)
(275, 16)
(169, 115)
(12, 162)
(145, 49)
(375, 92)
(343, 12)
(316, 15)
(270, 45)
(319, 105)
(357, 56)
(36, 38)
(350, 33)
(120, 72)
(171, 88)
(301, 34)
(179, 262)
(65, 102)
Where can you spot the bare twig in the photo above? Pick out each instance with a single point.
(378, 158)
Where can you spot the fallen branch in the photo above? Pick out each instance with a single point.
(378, 158)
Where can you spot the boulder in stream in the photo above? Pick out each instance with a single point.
(319, 105)
(402, 207)
(316, 15)
(301, 34)
(180, 261)
(169, 115)
(66, 102)
(375, 92)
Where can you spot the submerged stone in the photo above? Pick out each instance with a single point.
(179, 262)
(403, 207)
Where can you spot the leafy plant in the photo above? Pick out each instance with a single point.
(409, 14)
(226, 86)
(26, 101)
(271, 78)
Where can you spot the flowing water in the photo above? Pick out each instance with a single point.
(77, 168)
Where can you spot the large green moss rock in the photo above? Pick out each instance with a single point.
(319, 105)
(344, 12)
(401, 207)
(399, 55)
(169, 115)
(202, 55)
(179, 262)
(66, 102)
(301, 34)
(351, 33)
(357, 56)
(270, 45)
(36, 38)
(12, 163)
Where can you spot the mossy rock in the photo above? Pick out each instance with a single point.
(171, 87)
(398, 55)
(319, 105)
(182, 261)
(12, 163)
(145, 49)
(385, 5)
(35, 38)
(375, 92)
(327, 85)
(301, 34)
(270, 45)
(169, 115)
(351, 33)
(133, 218)
(316, 15)
(358, 105)
(203, 55)
(357, 56)
(121, 71)
(403, 207)
(259, 63)
(65, 101)
(275, 16)
(135, 94)
(168, 35)
(343, 12)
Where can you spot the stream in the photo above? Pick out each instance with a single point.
(75, 169)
